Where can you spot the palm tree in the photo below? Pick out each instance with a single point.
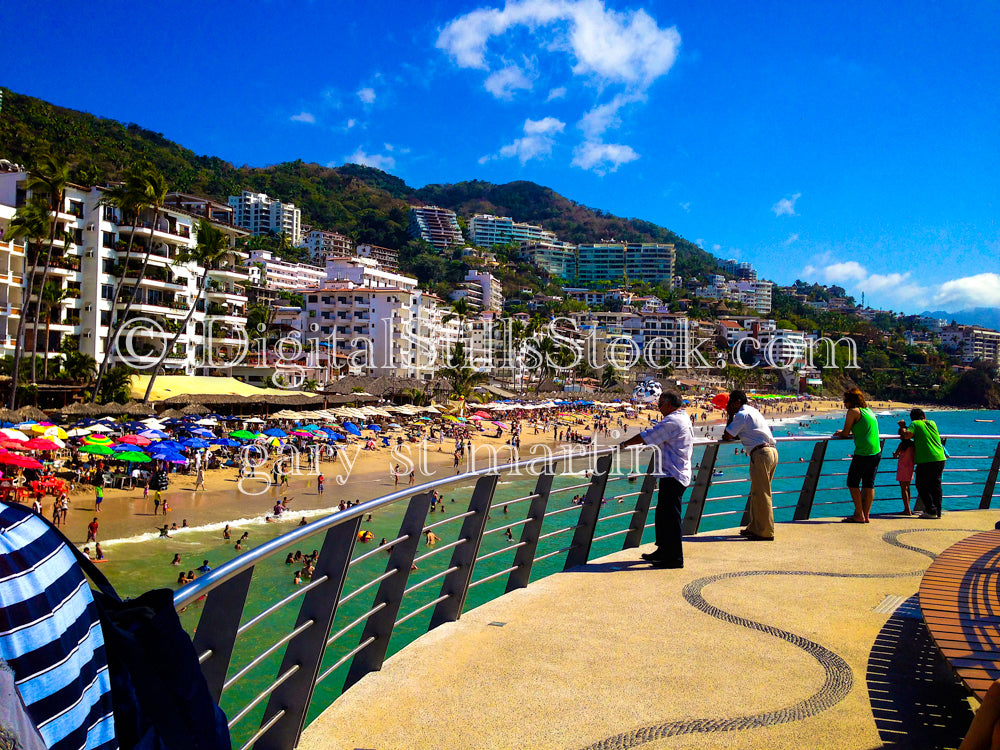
(518, 335)
(30, 222)
(462, 377)
(609, 378)
(145, 188)
(79, 367)
(52, 297)
(212, 247)
(49, 178)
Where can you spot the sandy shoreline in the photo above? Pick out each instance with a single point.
(363, 475)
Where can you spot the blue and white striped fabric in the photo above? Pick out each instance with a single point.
(50, 636)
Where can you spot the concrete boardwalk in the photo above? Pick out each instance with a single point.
(811, 641)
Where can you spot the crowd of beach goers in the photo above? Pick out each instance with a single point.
(106, 479)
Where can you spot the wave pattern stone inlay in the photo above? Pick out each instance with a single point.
(838, 681)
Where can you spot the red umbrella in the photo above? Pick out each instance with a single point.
(13, 445)
(135, 440)
(40, 444)
(721, 400)
(25, 462)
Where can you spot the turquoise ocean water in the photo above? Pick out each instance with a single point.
(143, 562)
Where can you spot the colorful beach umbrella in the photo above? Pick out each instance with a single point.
(153, 434)
(40, 444)
(12, 434)
(15, 459)
(97, 450)
(133, 457)
(242, 435)
(49, 430)
(374, 428)
(98, 440)
(136, 440)
(275, 432)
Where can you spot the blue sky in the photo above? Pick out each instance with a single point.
(842, 142)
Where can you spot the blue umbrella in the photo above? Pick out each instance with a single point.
(154, 435)
(226, 442)
(352, 428)
(124, 447)
(6, 425)
(167, 456)
(275, 432)
(202, 433)
(336, 436)
(195, 443)
(374, 428)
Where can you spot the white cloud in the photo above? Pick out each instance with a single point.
(786, 206)
(351, 123)
(379, 161)
(366, 95)
(602, 157)
(623, 47)
(981, 290)
(716, 248)
(896, 288)
(685, 206)
(700, 243)
(792, 239)
(537, 141)
(605, 48)
(504, 82)
(304, 117)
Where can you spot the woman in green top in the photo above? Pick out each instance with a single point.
(929, 460)
(862, 425)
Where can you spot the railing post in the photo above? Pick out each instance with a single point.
(699, 491)
(305, 651)
(637, 524)
(579, 551)
(524, 558)
(390, 592)
(991, 481)
(217, 626)
(463, 557)
(803, 509)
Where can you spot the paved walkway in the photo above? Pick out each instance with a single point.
(812, 641)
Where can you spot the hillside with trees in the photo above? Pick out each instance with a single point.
(366, 203)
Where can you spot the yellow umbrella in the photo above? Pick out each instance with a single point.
(50, 431)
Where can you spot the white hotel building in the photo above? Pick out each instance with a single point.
(263, 269)
(89, 266)
(260, 214)
(379, 321)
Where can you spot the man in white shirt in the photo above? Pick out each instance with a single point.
(748, 425)
(673, 439)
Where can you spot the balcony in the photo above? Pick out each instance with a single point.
(168, 231)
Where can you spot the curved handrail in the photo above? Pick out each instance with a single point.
(306, 644)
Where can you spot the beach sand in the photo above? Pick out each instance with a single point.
(357, 475)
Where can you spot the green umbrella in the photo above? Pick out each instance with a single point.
(98, 450)
(242, 435)
(133, 457)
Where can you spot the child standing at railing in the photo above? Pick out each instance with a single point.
(905, 455)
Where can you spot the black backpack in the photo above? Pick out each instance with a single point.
(160, 696)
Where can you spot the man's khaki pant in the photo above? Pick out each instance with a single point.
(762, 464)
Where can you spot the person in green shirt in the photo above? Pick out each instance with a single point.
(861, 424)
(929, 460)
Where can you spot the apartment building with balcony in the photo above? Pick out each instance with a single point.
(12, 267)
(88, 267)
(365, 272)
(258, 213)
(487, 230)
(264, 270)
(615, 261)
(552, 256)
(322, 243)
(386, 257)
(381, 330)
(437, 226)
(972, 343)
(481, 290)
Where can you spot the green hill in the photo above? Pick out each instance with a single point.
(366, 203)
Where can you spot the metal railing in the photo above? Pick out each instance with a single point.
(290, 670)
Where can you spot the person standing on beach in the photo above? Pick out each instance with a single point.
(673, 439)
(861, 424)
(200, 481)
(98, 497)
(748, 425)
(92, 530)
(929, 459)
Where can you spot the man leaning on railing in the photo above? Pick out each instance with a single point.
(673, 439)
(749, 426)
